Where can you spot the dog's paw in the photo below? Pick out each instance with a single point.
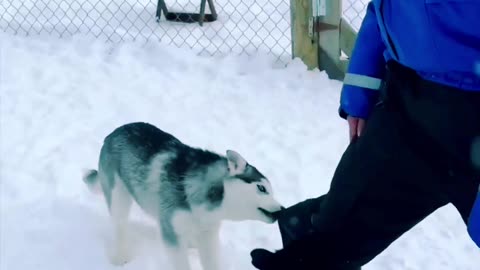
(120, 253)
(120, 257)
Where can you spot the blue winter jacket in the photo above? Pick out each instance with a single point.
(440, 39)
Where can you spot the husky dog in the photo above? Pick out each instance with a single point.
(188, 191)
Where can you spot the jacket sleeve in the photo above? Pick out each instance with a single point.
(365, 70)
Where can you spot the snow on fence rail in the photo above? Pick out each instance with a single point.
(241, 26)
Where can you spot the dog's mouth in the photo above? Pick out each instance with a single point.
(268, 214)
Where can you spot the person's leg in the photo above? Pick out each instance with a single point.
(409, 162)
(386, 182)
(295, 221)
(380, 190)
(450, 119)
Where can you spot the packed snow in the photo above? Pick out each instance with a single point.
(61, 97)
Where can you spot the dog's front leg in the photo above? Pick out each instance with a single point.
(209, 250)
(176, 247)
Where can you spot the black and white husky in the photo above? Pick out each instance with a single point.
(188, 191)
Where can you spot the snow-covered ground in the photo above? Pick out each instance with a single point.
(59, 98)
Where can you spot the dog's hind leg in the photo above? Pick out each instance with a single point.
(119, 206)
(209, 249)
(178, 257)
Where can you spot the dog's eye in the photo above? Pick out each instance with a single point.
(261, 189)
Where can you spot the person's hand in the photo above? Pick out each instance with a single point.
(356, 126)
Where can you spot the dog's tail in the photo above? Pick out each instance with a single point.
(90, 177)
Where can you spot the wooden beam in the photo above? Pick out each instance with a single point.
(343, 65)
(348, 36)
(329, 40)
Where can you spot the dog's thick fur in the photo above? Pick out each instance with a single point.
(187, 190)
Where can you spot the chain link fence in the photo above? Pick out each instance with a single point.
(354, 11)
(242, 26)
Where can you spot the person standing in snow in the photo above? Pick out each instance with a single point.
(412, 102)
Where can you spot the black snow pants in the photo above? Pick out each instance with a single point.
(413, 158)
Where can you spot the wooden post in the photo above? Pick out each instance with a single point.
(319, 38)
(348, 36)
(304, 46)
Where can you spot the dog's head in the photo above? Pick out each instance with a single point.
(248, 194)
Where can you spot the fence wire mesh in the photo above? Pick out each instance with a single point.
(242, 26)
(354, 11)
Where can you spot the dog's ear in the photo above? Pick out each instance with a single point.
(236, 163)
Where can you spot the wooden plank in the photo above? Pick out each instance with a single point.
(303, 46)
(348, 36)
(329, 41)
(344, 65)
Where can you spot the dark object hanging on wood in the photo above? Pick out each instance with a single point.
(187, 17)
